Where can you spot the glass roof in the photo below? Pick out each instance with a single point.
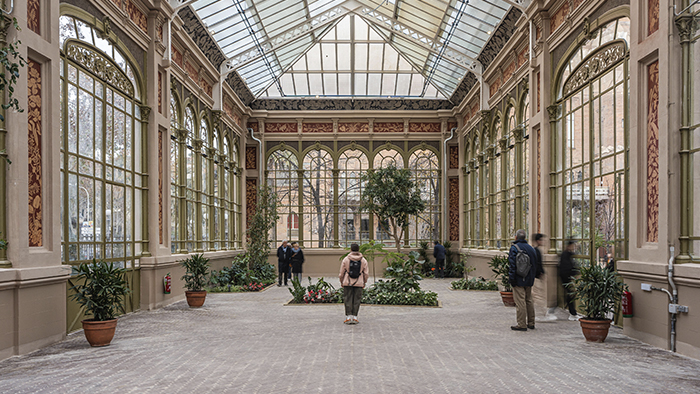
(396, 48)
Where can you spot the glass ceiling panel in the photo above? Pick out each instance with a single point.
(399, 48)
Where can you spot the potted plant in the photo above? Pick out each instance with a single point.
(196, 270)
(500, 266)
(598, 290)
(101, 294)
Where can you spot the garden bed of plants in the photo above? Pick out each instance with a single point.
(401, 288)
(242, 276)
(479, 283)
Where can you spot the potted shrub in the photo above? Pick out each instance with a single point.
(196, 270)
(101, 292)
(500, 266)
(598, 290)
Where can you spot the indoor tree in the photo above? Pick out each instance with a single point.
(261, 223)
(393, 197)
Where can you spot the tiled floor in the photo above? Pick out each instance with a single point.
(251, 343)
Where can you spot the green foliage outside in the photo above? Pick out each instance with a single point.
(261, 223)
(598, 289)
(391, 194)
(239, 277)
(373, 249)
(500, 267)
(196, 271)
(479, 283)
(405, 273)
(102, 291)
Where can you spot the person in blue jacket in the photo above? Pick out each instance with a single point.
(439, 254)
(522, 286)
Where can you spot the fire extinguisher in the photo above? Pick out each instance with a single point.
(167, 281)
(627, 304)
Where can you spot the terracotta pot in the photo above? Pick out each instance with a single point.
(195, 299)
(507, 297)
(99, 333)
(595, 330)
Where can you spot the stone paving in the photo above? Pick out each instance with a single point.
(251, 343)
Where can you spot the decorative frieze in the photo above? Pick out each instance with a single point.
(103, 67)
(601, 61)
(653, 152)
(35, 179)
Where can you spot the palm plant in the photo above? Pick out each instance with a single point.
(501, 267)
(196, 270)
(598, 289)
(102, 289)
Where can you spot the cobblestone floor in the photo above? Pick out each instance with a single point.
(251, 343)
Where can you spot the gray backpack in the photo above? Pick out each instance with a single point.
(522, 262)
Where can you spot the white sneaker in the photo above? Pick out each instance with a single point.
(549, 317)
(354, 320)
(574, 317)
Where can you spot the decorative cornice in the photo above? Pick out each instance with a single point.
(687, 26)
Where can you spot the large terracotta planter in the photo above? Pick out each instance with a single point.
(595, 330)
(195, 299)
(507, 297)
(99, 333)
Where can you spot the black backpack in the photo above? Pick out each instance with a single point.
(355, 268)
(522, 262)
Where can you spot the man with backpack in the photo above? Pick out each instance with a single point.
(354, 272)
(525, 265)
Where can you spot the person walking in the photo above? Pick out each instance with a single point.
(296, 260)
(521, 253)
(439, 254)
(283, 254)
(567, 271)
(354, 272)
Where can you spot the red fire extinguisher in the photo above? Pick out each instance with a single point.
(167, 281)
(627, 304)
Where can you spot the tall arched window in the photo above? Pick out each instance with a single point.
(476, 193)
(191, 187)
(525, 181)
(354, 225)
(318, 199)
(509, 169)
(102, 160)
(388, 157)
(235, 215)
(205, 183)
(283, 177)
(589, 163)
(425, 169)
(174, 175)
(497, 184)
(485, 189)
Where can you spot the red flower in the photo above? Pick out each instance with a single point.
(432, 269)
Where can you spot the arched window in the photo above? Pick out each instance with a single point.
(497, 198)
(234, 196)
(468, 202)
(174, 176)
(485, 189)
(476, 193)
(191, 184)
(354, 225)
(283, 178)
(589, 161)
(525, 181)
(205, 183)
(102, 165)
(425, 169)
(509, 169)
(388, 157)
(318, 199)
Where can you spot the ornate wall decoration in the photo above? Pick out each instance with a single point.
(281, 128)
(454, 157)
(251, 158)
(201, 37)
(539, 180)
(192, 71)
(34, 150)
(159, 30)
(251, 199)
(160, 185)
(294, 104)
(421, 127)
(160, 92)
(538, 91)
(494, 86)
(237, 118)
(390, 127)
(254, 126)
(471, 112)
(177, 56)
(228, 108)
(317, 127)
(34, 16)
(99, 65)
(653, 152)
(558, 17)
(454, 209)
(451, 125)
(596, 64)
(353, 127)
(508, 72)
(118, 3)
(236, 83)
(653, 13)
(522, 57)
(206, 86)
(137, 16)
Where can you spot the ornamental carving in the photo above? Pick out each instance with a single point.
(503, 144)
(595, 65)
(424, 127)
(103, 67)
(454, 157)
(393, 127)
(687, 26)
(353, 127)
(145, 113)
(281, 127)
(454, 208)
(316, 128)
(553, 111)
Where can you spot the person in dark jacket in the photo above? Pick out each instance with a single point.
(567, 271)
(522, 286)
(439, 254)
(296, 259)
(283, 253)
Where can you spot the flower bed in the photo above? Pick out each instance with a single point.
(241, 277)
(479, 283)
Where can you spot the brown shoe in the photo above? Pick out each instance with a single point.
(516, 328)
